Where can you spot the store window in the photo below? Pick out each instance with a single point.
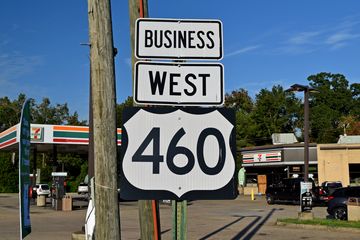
(251, 179)
(354, 172)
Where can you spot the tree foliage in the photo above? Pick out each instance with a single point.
(45, 113)
(42, 113)
(9, 176)
(334, 101)
(242, 103)
(120, 108)
(275, 111)
(10, 111)
(334, 110)
(336, 104)
(239, 100)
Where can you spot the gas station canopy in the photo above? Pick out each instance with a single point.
(44, 137)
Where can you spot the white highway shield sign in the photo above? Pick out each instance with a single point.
(179, 83)
(178, 39)
(178, 153)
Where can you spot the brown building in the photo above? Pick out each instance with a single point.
(339, 162)
(265, 165)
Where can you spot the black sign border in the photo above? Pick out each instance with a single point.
(130, 192)
(177, 57)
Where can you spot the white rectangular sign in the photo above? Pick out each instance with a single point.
(59, 174)
(178, 39)
(160, 83)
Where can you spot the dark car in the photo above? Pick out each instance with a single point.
(287, 190)
(337, 202)
(327, 188)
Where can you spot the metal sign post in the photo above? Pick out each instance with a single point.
(179, 222)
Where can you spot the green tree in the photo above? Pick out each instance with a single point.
(120, 108)
(243, 105)
(348, 124)
(74, 120)
(239, 100)
(355, 91)
(335, 99)
(10, 111)
(76, 167)
(9, 176)
(275, 111)
(354, 128)
(43, 113)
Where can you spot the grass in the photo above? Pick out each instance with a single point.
(323, 222)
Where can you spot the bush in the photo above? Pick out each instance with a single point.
(9, 175)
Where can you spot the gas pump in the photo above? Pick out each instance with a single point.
(58, 190)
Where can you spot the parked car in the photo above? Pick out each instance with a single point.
(337, 201)
(41, 189)
(327, 188)
(287, 190)
(83, 188)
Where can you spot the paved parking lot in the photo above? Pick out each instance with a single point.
(227, 219)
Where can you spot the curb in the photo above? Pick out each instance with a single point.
(318, 227)
(78, 236)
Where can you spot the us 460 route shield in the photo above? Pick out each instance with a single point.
(178, 153)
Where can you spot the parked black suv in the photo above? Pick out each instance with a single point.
(287, 190)
(337, 202)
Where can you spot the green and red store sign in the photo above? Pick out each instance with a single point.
(50, 134)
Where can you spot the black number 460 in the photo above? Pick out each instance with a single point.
(174, 150)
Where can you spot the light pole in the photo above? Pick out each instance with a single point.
(305, 194)
(306, 90)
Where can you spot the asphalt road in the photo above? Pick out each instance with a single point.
(226, 219)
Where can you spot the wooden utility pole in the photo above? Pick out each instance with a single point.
(91, 136)
(148, 209)
(137, 9)
(107, 222)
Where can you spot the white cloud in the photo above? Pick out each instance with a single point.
(243, 50)
(326, 37)
(14, 69)
(340, 37)
(16, 65)
(337, 46)
(303, 38)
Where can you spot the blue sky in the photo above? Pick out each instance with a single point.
(265, 43)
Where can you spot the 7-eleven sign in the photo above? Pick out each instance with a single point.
(37, 134)
(260, 157)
